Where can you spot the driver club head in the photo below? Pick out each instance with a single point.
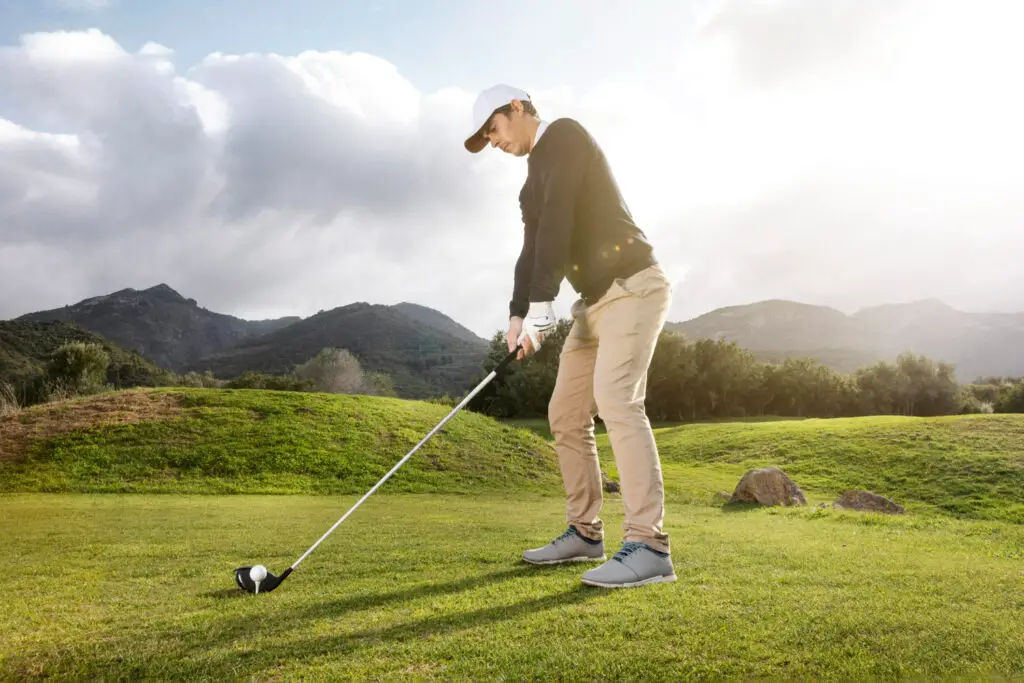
(269, 583)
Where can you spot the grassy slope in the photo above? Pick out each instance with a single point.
(281, 442)
(139, 587)
(971, 466)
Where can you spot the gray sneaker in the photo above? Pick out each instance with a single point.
(636, 564)
(569, 547)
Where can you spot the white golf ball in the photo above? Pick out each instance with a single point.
(258, 573)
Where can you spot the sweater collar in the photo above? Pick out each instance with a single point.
(540, 131)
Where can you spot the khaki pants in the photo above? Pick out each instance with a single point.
(603, 370)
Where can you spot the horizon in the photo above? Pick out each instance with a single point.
(277, 160)
(488, 335)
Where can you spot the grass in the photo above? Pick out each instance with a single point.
(430, 587)
(424, 581)
(964, 466)
(968, 466)
(248, 441)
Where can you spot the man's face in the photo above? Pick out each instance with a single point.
(509, 131)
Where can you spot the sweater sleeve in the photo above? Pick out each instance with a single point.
(520, 303)
(566, 160)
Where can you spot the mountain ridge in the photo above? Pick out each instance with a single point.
(176, 333)
(158, 323)
(978, 344)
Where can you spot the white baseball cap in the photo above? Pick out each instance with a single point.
(487, 102)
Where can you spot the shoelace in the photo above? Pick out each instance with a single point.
(569, 533)
(627, 549)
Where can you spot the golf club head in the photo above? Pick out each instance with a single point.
(268, 584)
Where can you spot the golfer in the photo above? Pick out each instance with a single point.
(577, 227)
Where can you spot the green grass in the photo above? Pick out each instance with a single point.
(249, 441)
(967, 466)
(430, 587)
(424, 581)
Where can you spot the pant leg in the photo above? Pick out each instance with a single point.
(628, 321)
(571, 413)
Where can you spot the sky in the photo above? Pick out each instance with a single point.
(271, 158)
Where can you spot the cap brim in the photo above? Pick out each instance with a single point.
(476, 142)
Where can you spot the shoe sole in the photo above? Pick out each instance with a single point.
(633, 584)
(578, 558)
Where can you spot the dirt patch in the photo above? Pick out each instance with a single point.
(20, 430)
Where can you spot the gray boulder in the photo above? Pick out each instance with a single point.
(768, 486)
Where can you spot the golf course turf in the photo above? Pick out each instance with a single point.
(425, 581)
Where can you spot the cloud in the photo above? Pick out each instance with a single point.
(252, 183)
(81, 5)
(839, 153)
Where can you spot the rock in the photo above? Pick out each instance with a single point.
(610, 485)
(868, 502)
(768, 486)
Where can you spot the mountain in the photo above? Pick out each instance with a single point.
(423, 360)
(437, 320)
(979, 344)
(25, 348)
(160, 324)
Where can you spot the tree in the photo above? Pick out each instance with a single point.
(526, 386)
(337, 371)
(79, 367)
(1012, 400)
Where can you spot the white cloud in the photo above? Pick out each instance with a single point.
(840, 153)
(81, 5)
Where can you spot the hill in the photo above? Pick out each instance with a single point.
(966, 466)
(248, 441)
(25, 348)
(438, 320)
(423, 360)
(979, 344)
(224, 441)
(160, 324)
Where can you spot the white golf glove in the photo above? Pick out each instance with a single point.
(538, 323)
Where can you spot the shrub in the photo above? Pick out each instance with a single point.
(337, 371)
(259, 380)
(9, 403)
(77, 368)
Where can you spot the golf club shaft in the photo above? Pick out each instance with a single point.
(483, 383)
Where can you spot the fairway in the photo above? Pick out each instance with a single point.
(430, 586)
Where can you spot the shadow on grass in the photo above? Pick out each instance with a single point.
(269, 652)
(741, 507)
(234, 645)
(284, 643)
(366, 601)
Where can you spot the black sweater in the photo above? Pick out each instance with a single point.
(576, 223)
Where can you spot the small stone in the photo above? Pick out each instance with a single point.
(610, 485)
(867, 501)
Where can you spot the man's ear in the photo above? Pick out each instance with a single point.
(517, 106)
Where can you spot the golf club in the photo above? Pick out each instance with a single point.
(256, 579)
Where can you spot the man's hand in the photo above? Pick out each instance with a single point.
(515, 328)
(539, 323)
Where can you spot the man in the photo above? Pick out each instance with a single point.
(577, 226)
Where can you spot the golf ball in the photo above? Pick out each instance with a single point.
(258, 573)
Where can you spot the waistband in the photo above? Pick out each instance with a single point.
(623, 271)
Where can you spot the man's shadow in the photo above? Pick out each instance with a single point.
(293, 622)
